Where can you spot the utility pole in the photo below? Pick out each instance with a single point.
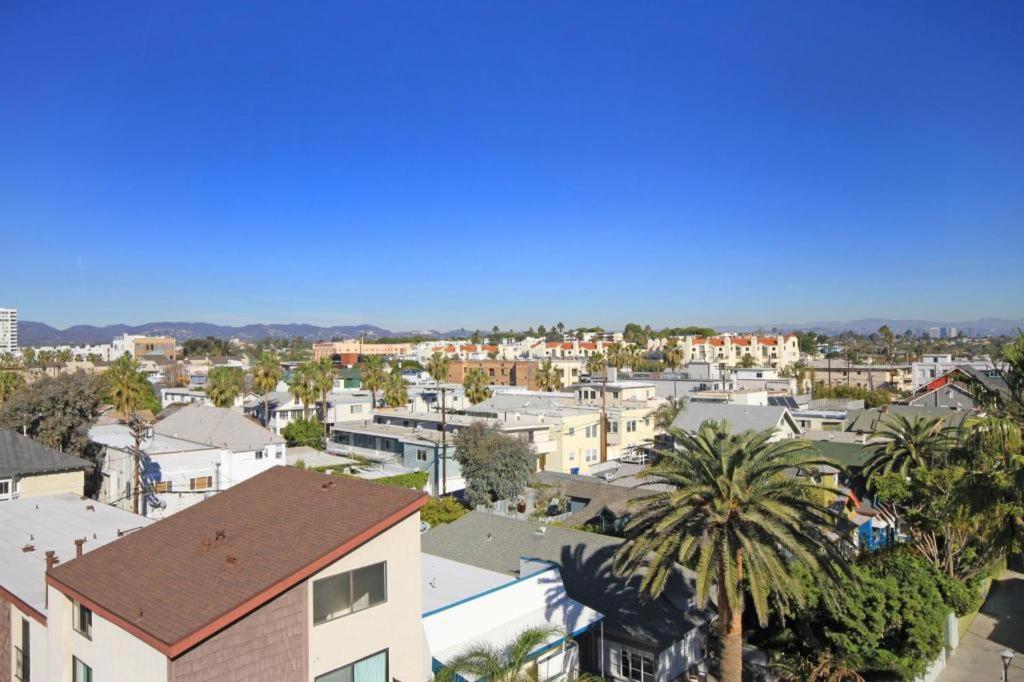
(604, 416)
(444, 445)
(136, 425)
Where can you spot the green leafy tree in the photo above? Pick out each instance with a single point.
(735, 515)
(396, 392)
(872, 398)
(308, 432)
(510, 663)
(224, 384)
(10, 383)
(266, 374)
(476, 386)
(548, 377)
(373, 375)
(886, 619)
(747, 361)
(495, 466)
(55, 411)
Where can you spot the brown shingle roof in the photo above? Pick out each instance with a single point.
(278, 528)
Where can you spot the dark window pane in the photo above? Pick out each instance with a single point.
(369, 586)
(331, 597)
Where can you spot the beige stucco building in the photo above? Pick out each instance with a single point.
(328, 349)
(778, 350)
(291, 576)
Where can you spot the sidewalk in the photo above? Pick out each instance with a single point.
(999, 625)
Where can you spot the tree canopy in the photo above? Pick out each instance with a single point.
(56, 411)
(495, 466)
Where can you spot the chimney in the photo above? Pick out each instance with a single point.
(51, 559)
(884, 409)
(78, 547)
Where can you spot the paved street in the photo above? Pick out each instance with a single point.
(1000, 625)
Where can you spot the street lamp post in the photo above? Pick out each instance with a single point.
(1007, 656)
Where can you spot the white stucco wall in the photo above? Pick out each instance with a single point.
(394, 625)
(38, 643)
(113, 654)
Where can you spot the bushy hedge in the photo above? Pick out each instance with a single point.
(414, 479)
(441, 510)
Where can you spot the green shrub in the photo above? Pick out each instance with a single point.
(441, 510)
(414, 479)
(962, 597)
(309, 432)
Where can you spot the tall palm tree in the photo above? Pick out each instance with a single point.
(909, 443)
(437, 367)
(10, 383)
(548, 377)
(477, 387)
(598, 364)
(511, 663)
(888, 340)
(396, 393)
(737, 516)
(302, 386)
(126, 387)
(265, 376)
(618, 356)
(372, 376)
(224, 384)
(673, 356)
(323, 383)
(667, 412)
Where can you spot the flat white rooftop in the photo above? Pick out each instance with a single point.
(52, 522)
(446, 582)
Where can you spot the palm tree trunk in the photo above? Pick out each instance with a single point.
(327, 430)
(731, 628)
(732, 646)
(266, 409)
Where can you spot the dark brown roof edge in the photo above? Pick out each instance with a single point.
(175, 649)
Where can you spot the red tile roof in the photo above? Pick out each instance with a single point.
(180, 580)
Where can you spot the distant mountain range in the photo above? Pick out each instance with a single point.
(39, 334)
(986, 326)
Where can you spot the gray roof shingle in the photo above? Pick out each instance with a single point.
(22, 456)
(497, 543)
(740, 417)
(217, 426)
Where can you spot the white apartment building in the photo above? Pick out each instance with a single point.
(82, 352)
(196, 452)
(8, 330)
(932, 366)
(729, 349)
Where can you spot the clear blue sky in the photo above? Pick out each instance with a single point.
(515, 163)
